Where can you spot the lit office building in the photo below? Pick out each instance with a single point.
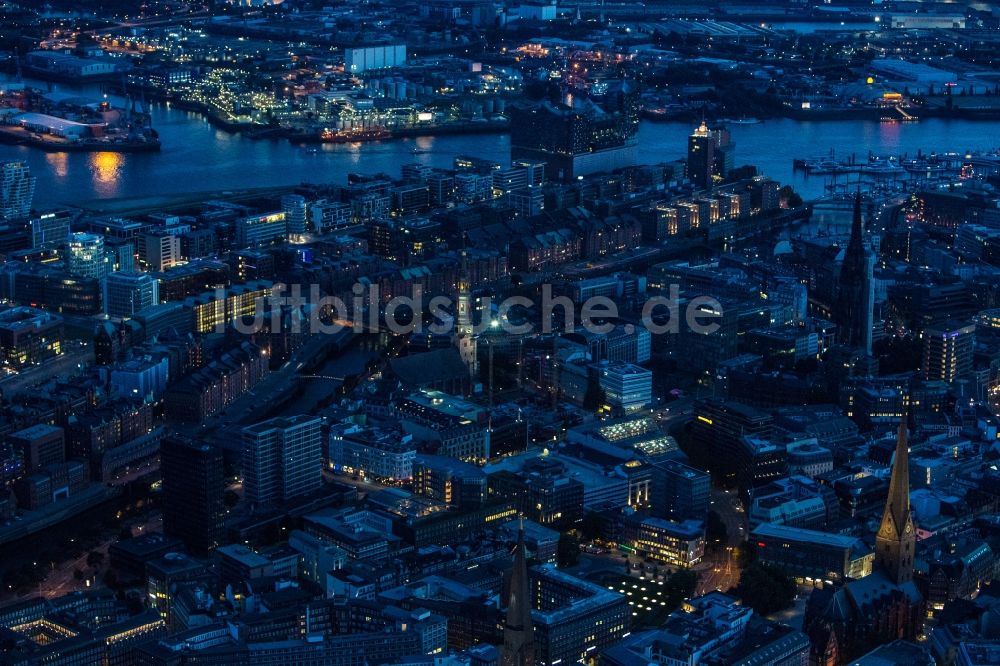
(701, 157)
(193, 487)
(282, 459)
(294, 207)
(811, 555)
(459, 426)
(50, 230)
(261, 229)
(159, 251)
(213, 310)
(712, 629)
(948, 351)
(17, 190)
(678, 544)
(327, 216)
(680, 492)
(627, 388)
(718, 430)
(573, 620)
(126, 293)
(86, 256)
(372, 453)
(448, 480)
(29, 336)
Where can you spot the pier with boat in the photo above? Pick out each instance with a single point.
(890, 180)
(63, 122)
(355, 135)
(902, 167)
(374, 133)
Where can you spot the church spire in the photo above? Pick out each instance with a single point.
(852, 311)
(857, 226)
(896, 541)
(898, 503)
(464, 334)
(464, 298)
(518, 632)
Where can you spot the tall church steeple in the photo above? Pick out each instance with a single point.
(465, 338)
(853, 311)
(518, 632)
(896, 539)
(464, 324)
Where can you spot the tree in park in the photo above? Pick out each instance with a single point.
(715, 529)
(766, 589)
(568, 549)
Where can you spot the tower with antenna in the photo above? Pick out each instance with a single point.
(465, 338)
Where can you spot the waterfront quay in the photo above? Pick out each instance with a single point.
(483, 332)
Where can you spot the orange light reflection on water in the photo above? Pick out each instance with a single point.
(106, 167)
(59, 163)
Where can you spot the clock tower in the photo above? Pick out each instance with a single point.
(896, 540)
(464, 337)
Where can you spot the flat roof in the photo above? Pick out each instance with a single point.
(444, 403)
(52, 122)
(36, 431)
(586, 596)
(802, 534)
(23, 317)
(243, 555)
(281, 423)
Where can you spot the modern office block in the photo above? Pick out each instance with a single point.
(282, 459)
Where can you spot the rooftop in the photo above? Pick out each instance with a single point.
(980, 653)
(445, 403)
(24, 318)
(36, 431)
(804, 535)
(585, 596)
(279, 423)
(243, 555)
(51, 122)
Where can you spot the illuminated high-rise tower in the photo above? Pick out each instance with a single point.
(85, 256)
(296, 211)
(518, 632)
(17, 190)
(701, 156)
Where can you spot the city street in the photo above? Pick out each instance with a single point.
(363, 486)
(463, 258)
(727, 505)
(61, 577)
(674, 412)
(77, 354)
(719, 571)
